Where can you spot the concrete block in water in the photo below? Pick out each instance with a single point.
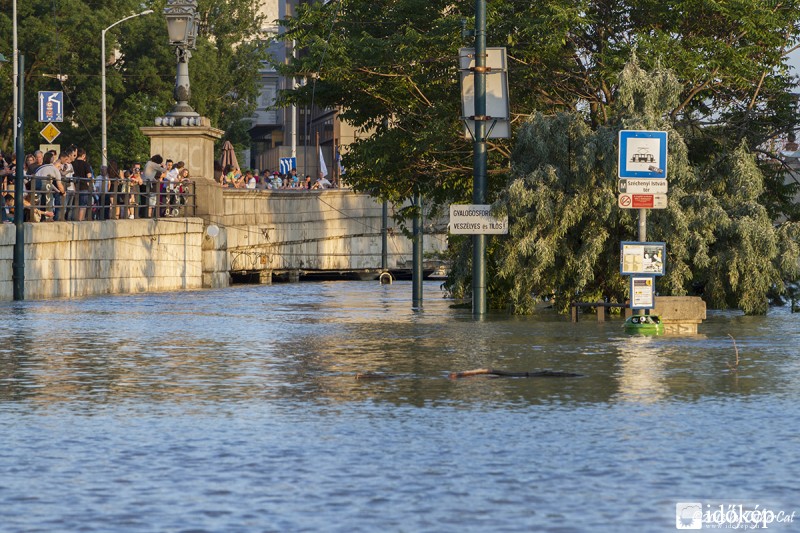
(680, 314)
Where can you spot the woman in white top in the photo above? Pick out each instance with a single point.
(153, 172)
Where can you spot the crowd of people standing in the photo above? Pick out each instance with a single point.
(64, 186)
(232, 178)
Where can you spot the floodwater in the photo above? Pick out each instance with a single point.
(238, 410)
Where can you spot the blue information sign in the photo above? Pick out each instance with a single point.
(642, 154)
(51, 106)
(287, 164)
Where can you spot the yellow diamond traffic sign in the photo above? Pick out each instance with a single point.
(50, 132)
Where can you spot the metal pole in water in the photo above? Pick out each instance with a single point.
(18, 273)
(642, 238)
(416, 275)
(385, 222)
(385, 236)
(479, 160)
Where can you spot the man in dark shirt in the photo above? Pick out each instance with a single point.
(38, 157)
(83, 181)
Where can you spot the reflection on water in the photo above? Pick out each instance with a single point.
(237, 410)
(642, 369)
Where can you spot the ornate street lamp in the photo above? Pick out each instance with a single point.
(182, 25)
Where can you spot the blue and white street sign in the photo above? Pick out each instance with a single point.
(642, 154)
(51, 106)
(287, 164)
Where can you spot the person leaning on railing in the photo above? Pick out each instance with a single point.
(132, 183)
(103, 189)
(183, 190)
(32, 213)
(64, 206)
(84, 189)
(6, 176)
(168, 187)
(153, 172)
(47, 182)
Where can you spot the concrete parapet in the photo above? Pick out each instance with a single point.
(334, 229)
(210, 203)
(252, 231)
(680, 314)
(75, 259)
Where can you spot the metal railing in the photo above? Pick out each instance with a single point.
(124, 199)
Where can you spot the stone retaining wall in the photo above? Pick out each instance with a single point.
(72, 259)
(313, 230)
(259, 231)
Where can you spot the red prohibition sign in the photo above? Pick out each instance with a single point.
(625, 200)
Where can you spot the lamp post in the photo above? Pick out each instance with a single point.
(182, 24)
(103, 79)
(18, 265)
(15, 66)
(479, 161)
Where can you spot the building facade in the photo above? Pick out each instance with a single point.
(301, 132)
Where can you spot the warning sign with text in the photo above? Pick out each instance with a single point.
(474, 219)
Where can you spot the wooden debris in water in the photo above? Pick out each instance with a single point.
(374, 375)
(503, 373)
(734, 367)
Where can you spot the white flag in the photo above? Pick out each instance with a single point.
(322, 167)
(339, 162)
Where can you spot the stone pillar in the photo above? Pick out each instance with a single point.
(680, 314)
(194, 145)
(216, 270)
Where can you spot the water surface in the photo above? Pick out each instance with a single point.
(238, 410)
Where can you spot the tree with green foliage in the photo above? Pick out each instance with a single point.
(566, 228)
(390, 67)
(62, 39)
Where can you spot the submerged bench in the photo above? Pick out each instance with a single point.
(679, 314)
(601, 309)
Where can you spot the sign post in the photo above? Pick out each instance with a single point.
(51, 106)
(643, 292)
(643, 154)
(642, 258)
(642, 261)
(50, 132)
(286, 164)
(642, 186)
(642, 201)
(475, 219)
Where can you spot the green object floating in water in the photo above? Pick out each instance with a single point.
(644, 325)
